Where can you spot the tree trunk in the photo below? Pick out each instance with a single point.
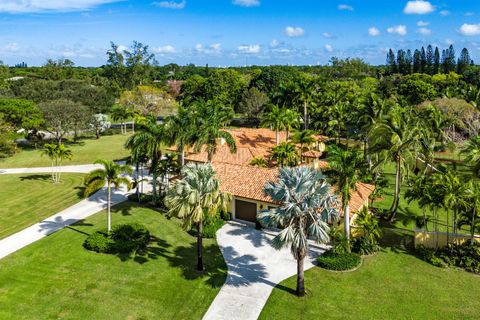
(448, 227)
(300, 277)
(154, 187)
(109, 219)
(305, 119)
(346, 218)
(277, 138)
(199, 246)
(396, 198)
(472, 230)
(137, 175)
(210, 156)
(133, 125)
(181, 155)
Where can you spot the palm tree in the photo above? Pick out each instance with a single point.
(120, 113)
(196, 197)
(182, 130)
(212, 118)
(285, 155)
(149, 140)
(302, 91)
(346, 166)
(274, 119)
(304, 137)
(398, 134)
(290, 121)
(306, 207)
(57, 153)
(472, 152)
(111, 175)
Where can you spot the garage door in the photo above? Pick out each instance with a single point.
(245, 210)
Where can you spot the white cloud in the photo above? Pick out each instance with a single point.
(171, 4)
(470, 29)
(449, 41)
(166, 49)
(13, 46)
(424, 31)
(294, 31)
(423, 23)
(251, 48)
(122, 48)
(32, 6)
(274, 43)
(247, 3)
(373, 32)
(418, 7)
(345, 7)
(444, 13)
(400, 30)
(327, 35)
(328, 47)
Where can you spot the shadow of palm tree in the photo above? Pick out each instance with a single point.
(50, 226)
(256, 237)
(36, 177)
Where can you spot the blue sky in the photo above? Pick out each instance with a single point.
(233, 32)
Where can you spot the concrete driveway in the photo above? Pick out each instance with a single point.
(254, 269)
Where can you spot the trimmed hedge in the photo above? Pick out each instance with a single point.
(124, 239)
(339, 261)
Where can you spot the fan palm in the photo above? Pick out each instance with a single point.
(196, 197)
(347, 166)
(306, 207)
(398, 133)
(285, 155)
(57, 153)
(111, 174)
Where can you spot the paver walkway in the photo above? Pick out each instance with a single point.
(84, 168)
(254, 269)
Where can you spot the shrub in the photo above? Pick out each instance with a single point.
(125, 239)
(210, 227)
(363, 246)
(99, 241)
(226, 216)
(130, 238)
(339, 261)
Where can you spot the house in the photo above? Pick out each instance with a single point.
(246, 182)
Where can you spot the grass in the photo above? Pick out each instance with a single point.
(30, 198)
(84, 152)
(56, 278)
(389, 285)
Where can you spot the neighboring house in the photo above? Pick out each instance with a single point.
(246, 182)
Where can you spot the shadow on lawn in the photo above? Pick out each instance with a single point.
(36, 177)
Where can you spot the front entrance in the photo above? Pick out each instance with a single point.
(245, 210)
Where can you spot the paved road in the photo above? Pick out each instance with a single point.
(84, 168)
(254, 269)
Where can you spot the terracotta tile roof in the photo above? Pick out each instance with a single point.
(312, 154)
(248, 182)
(250, 143)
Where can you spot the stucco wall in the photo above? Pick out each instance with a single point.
(439, 239)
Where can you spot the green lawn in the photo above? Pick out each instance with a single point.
(84, 152)
(390, 285)
(56, 278)
(30, 198)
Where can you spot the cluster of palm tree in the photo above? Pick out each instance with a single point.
(278, 119)
(57, 153)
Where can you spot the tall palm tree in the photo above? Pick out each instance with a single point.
(212, 119)
(346, 166)
(274, 119)
(120, 113)
(398, 133)
(290, 121)
(472, 152)
(149, 139)
(302, 91)
(303, 137)
(57, 153)
(285, 155)
(182, 130)
(194, 198)
(111, 174)
(306, 206)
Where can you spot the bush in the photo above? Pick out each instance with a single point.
(99, 241)
(125, 239)
(130, 238)
(363, 246)
(210, 227)
(339, 261)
